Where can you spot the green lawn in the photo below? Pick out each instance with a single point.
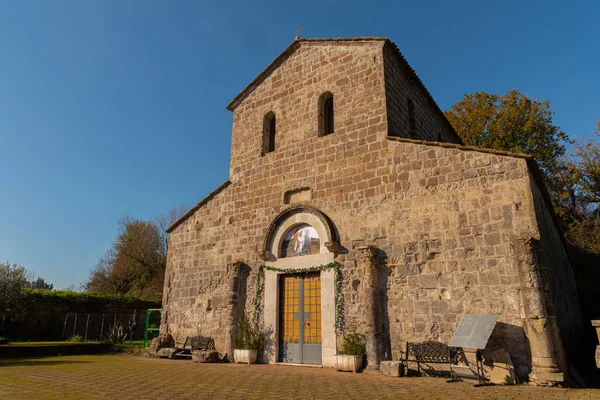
(135, 344)
(38, 344)
(126, 345)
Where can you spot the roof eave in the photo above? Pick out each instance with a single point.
(197, 206)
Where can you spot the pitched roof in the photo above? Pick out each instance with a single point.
(462, 147)
(284, 55)
(197, 206)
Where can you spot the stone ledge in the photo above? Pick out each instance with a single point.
(545, 377)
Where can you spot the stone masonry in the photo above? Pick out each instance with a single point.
(452, 229)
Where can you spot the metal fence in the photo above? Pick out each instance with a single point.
(95, 326)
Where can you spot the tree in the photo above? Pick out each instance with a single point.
(511, 122)
(135, 265)
(583, 228)
(163, 221)
(588, 153)
(40, 283)
(13, 299)
(514, 122)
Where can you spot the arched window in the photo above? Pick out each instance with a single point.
(326, 114)
(412, 123)
(300, 240)
(269, 131)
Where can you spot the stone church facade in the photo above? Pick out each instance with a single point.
(340, 157)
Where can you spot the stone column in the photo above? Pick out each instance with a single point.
(596, 324)
(541, 326)
(369, 269)
(235, 272)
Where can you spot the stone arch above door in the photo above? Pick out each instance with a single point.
(299, 216)
(289, 218)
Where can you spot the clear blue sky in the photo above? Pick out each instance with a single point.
(117, 107)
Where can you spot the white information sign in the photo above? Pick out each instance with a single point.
(474, 330)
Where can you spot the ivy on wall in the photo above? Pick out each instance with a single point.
(339, 298)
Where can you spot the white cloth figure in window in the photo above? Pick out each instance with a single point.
(301, 242)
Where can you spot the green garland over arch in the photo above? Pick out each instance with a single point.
(339, 297)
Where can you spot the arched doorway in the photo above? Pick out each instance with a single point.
(300, 304)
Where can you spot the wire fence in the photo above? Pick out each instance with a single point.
(95, 326)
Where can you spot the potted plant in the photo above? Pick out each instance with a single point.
(352, 352)
(247, 342)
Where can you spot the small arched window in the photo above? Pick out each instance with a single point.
(326, 114)
(269, 131)
(412, 123)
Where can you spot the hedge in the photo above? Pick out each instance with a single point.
(82, 297)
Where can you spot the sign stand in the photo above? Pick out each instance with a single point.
(473, 331)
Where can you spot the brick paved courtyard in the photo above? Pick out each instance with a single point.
(128, 377)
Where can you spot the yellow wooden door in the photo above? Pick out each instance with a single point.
(300, 318)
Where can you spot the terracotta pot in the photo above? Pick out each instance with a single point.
(244, 356)
(345, 362)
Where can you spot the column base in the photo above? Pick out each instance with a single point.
(372, 369)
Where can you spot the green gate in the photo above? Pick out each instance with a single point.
(152, 327)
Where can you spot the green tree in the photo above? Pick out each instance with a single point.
(13, 299)
(510, 122)
(40, 283)
(514, 122)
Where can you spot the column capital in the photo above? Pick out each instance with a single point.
(367, 252)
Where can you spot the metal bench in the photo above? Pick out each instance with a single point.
(195, 343)
(432, 352)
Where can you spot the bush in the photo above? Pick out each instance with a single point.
(75, 338)
(132, 325)
(353, 343)
(4, 340)
(81, 297)
(248, 336)
(116, 334)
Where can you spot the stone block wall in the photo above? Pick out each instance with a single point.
(452, 226)
(445, 221)
(403, 86)
(352, 72)
(561, 288)
(444, 231)
(232, 225)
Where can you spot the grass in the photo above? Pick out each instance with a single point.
(125, 345)
(135, 344)
(40, 344)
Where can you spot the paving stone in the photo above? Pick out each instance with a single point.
(128, 377)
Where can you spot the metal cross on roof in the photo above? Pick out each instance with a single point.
(300, 31)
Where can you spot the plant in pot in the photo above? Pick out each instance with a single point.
(352, 352)
(247, 342)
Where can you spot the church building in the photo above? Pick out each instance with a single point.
(352, 200)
